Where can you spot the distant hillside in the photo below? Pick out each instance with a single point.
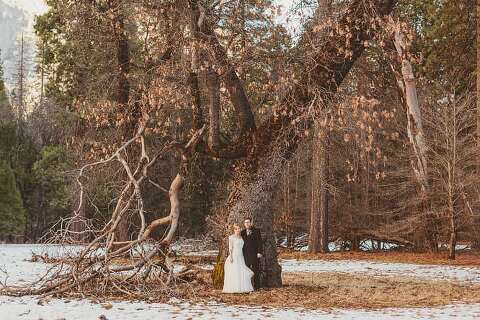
(17, 16)
(13, 21)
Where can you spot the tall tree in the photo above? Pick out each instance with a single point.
(258, 173)
(5, 108)
(20, 89)
(318, 237)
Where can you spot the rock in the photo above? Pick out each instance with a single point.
(107, 306)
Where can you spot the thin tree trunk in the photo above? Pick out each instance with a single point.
(78, 225)
(355, 243)
(42, 75)
(453, 228)
(293, 224)
(318, 240)
(21, 79)
(287, 209)
(213, 86)
(452, 180)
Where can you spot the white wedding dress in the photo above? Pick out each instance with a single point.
(238, 277)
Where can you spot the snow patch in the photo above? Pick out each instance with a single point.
(379, 269)
(28, 309)
(13, 258)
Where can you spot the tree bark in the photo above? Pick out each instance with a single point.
(213, 86)
(478, 69)
(318, 240)
(476, 241)
(414, 117)
(452, 225)
(251, 196)
(123, 92)
(452, 179)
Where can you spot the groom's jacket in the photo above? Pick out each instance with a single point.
(252, 245)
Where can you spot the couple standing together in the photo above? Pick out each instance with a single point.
(244, 249)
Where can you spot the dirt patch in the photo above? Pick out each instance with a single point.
(336, 290)
(463, 258)
(196, 259)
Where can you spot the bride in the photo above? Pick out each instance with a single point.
(238, 277)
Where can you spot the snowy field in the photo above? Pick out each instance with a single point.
(429, 272)
(12, 259)
(27, 308)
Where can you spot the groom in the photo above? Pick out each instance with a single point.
(252, 249)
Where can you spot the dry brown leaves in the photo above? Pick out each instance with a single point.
(470, 258)
(315, 290)
(336, 290)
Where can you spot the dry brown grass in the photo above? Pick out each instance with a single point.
(463, 258)
(336, 290)
(328, 290)
(311, 291)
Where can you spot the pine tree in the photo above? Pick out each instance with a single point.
(19, 93)
(12, 212)
(5, 110)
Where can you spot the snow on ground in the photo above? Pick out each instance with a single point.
(28, 309)
(431, 272)
(13, 259)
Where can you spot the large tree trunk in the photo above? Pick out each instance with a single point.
(257, 176)
(318, 240)
(253, 197)
(478, 67)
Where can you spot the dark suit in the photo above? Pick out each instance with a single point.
(251, 247)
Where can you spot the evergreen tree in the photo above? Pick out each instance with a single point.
(5, 110)
(445, 34)
(12, 212)
(48, 199)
